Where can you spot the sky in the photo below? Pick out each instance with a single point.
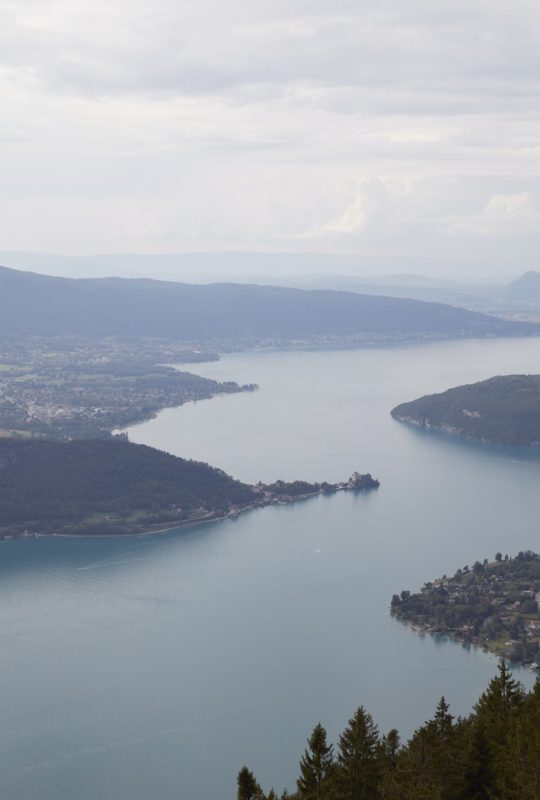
(403, 132)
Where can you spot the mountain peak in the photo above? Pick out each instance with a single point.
(526, 287)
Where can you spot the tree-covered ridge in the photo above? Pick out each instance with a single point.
(492, 605)
(493, 754)
(110, 486)
(504, 410)
(106, 486)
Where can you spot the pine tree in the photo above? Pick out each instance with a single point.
(443, 720)
(388, 756)
(498, 706)
(248, 788)
(389, 749)
(518, 768)
(493, 727)
(315, 766)
(357, 774)
(478, 766)
(503, 695)
(445, 752)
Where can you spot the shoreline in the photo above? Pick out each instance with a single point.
(458, 433)
(167, 528)
(422, 630)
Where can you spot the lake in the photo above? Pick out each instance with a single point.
(158, 666)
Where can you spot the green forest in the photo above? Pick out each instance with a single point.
(106, 486)
(503, 410)
(493, 754)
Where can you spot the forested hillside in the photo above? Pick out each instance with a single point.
(504, 410)
(106, 486)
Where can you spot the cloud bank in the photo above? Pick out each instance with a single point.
(407, 128)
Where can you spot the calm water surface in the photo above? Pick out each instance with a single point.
(156, 667)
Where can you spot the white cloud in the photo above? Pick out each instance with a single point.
(382, 205)
(503, 213)
(206, 124)
(351, 221)
(509, 206)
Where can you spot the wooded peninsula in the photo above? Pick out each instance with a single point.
(502, 410)
(493, 605)
(111, 487)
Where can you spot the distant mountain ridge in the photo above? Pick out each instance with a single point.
(247, 313)
(526, 287)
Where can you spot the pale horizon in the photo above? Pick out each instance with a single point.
(245, 265)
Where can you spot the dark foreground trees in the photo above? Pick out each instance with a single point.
(316, 766)
(248, 788)
(493, 754)
(357, 772)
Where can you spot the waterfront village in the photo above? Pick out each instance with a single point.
(494, 605)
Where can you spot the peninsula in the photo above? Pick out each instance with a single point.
(112, 487)
(501, 410)
(493, 605)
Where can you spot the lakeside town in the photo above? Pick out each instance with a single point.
(78, 388)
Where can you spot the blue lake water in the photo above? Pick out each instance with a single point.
(157, 666)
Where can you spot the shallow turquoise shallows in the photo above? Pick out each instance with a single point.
(155, 667)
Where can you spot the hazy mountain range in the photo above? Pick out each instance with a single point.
(395, 278)
(44, 305)
(237, 266)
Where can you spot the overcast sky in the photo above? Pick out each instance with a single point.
(404, 131)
